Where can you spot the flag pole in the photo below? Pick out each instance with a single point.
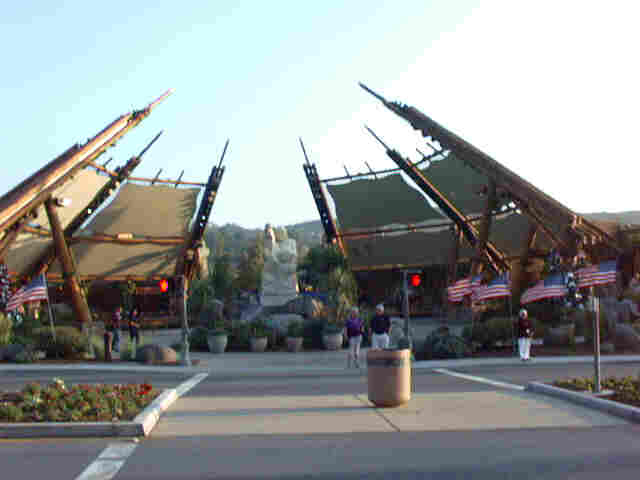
(46, 289)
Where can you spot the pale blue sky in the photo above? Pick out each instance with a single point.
(550, 89)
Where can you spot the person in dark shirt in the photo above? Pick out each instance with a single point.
(525, 333)
(380, 328)
(114, 328)
(134, 325)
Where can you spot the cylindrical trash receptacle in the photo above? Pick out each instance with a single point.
(389, 377)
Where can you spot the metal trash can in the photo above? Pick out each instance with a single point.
(389, 377)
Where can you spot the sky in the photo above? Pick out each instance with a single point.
(547, 88)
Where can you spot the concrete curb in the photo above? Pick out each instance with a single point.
(587, 400)
(100, 367)
(141, 425)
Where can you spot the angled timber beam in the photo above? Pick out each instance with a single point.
(119, 175)
(542, 205)
(491, 253)
(518, 284)
(485, 228)
(189, 256)
(328, 222)
(36, 189)
(79, 302)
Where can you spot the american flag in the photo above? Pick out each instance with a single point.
(600, 274)
(551, 287)
(36, 290)
(496, 288)
(462, 288)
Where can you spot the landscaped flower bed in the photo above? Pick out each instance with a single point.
(81, 403)
(626, 389)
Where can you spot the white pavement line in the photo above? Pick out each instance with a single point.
(109, 462)
(112, 458)
(184, 387)
(473, 378)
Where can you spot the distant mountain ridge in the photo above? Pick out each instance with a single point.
(627, 218)
(309, 233)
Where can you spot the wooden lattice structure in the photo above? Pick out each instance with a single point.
(117, 228)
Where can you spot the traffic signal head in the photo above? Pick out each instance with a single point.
(415, 280)
(164, 285)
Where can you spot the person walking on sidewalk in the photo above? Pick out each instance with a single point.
(380, 328)
(134, 326)
(354, 328)
(525, 333)
(116, 319)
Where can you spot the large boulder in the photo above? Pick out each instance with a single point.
(155, 354)
(626, 337)
(560, 336)
(307, 306)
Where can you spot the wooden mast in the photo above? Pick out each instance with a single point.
(78, 301)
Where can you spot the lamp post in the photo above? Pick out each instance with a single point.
(182, 291)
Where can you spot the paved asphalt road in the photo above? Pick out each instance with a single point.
(545, 452)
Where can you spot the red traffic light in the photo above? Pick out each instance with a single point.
(164, 285)
(415, 280)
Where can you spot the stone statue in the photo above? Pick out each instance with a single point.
(279, 280)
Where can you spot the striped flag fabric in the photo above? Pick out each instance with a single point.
(600, 274)
(462, 288)
(497, 288)
(36, 290)
(551, 287)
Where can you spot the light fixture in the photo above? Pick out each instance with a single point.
(63, 202)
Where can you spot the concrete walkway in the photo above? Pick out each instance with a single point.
(332, 414)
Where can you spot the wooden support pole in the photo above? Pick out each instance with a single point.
(518, 279)
(485, 228)
(80, 307)
(183, 285)
(452, 271)
(455, 254)
(9, 238)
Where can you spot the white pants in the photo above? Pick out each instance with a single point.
(379, 340)
(354, 350)
(524, 346)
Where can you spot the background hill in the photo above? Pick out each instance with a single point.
(232, 239)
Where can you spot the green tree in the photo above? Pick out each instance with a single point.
(326, 270)
(251, 266)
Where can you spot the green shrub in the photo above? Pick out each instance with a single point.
(239, 339)
(312, 333)
(501, 329)
(198, 339)
(97, 342)
(69, 342)
(498, 329)
(443, 345)
(6, 327)
(28, 325)
(27, 342)
(480, 335)
(259, 327)
(295, 329)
